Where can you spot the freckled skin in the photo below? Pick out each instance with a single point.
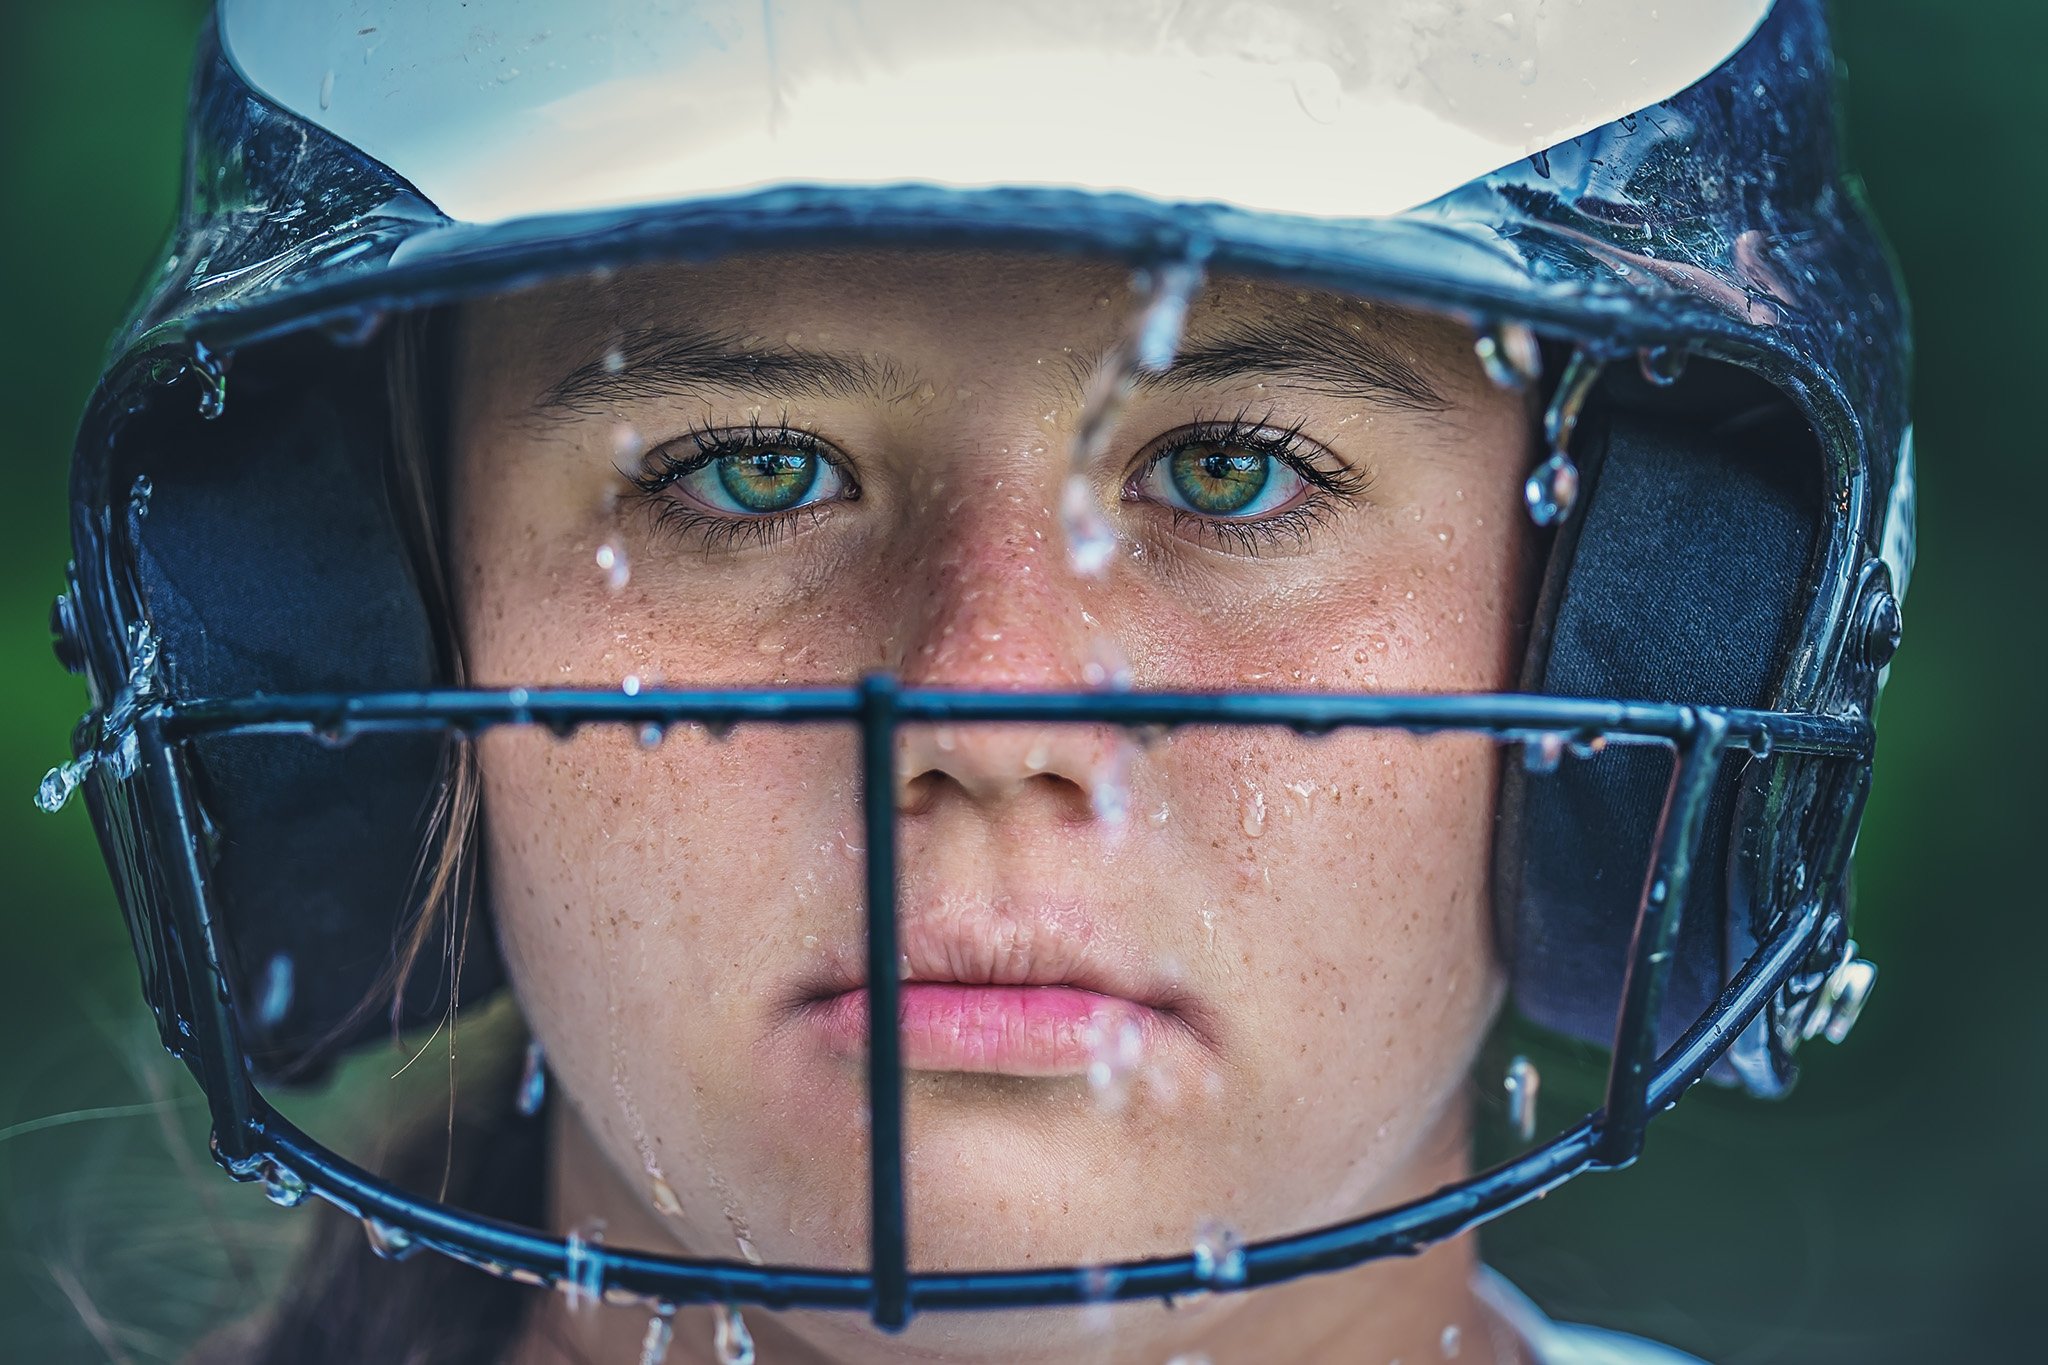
(1321, 904)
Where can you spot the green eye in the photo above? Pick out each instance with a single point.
(1218, 481)
(768, 480)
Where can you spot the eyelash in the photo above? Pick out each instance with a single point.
(1327, 489)
(663, 468)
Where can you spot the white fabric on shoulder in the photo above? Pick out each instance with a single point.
(1563, 1343)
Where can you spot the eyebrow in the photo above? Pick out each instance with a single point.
(1305, 350)
(657, 362)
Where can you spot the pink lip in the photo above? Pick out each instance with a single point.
(1006, 1030)
(1005, 985)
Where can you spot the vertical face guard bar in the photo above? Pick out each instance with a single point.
(255, 1143)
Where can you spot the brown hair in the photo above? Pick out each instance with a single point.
(343, 1304)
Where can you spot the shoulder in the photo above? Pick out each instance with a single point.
(1561, 1343)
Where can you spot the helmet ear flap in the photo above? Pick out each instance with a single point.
(272, 559)
(1680, 577)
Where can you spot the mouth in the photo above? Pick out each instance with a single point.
(991, 989)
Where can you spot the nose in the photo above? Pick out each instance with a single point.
(1001, 611)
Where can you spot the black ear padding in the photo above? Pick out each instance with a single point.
(271, 560)
(1681, 576)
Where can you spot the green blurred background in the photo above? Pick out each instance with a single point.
(1890, 1212)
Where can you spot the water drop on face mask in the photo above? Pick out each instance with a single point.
(1551, 490)
(58, 784)
(533, 1082)
(1450, 1342)
(617, 569)
(1543, 753)
(139, 494)
(661, 1331)
(274, 1000)
(389, 1242)
(1510, 356)
(730, 1340)
(283, 1187)
(1661, 365)
(212, 373)
(327, 90)
(1219, 1256)
(583, 1265)
(1522, 1084)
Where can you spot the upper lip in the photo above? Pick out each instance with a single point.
(982, 940)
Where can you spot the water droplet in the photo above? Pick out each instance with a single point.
(618, 570)
(1106, 666)
(389, 1241)
(651, 735)
(1450, 1342)
(1111, 794)
(946, 739)
(730, 1340)
(747, 1251)
(1159, 817)
(327, 90)
(1116, 1051)
(1253, 814)
(614, 361)
(1761, 743)
(1165, 315)
(1039, 754)
(1091, 541)
(212, 373)
(139, 494)
(1543, 753)
(630, 685)
(1522, 1083)
(661, 1330)
(1191, 1358)
(1443, 534)
(58, 784)
(583, 1264)
(627, 443)
(1219, 1255)
(1551, 489)
(1661, 365)
(665, 1196)
(1589, 746)
(283, 1187)
(1510, 356)
(274, 999)
(533, 1082)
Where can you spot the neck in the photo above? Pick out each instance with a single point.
(1418, 1308)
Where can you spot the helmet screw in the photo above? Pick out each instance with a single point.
(1880, 629)
(64, 641)
(1840, 999)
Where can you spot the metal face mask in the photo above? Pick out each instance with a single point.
(1642, 219)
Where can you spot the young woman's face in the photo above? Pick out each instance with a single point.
(1232, 975)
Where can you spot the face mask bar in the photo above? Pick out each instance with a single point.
(255, 1143)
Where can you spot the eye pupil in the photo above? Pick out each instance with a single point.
(1219, 481)
(771, 480)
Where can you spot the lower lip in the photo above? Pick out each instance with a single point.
(1004, 1030)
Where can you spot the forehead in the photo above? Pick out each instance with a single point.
(940, 311)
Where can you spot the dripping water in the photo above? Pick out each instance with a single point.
(1553, 486)
(1150, 345)
(533, 1082)
(1522, 1084)
(731, 1341)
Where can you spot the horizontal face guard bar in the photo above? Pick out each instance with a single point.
(255, 1143)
